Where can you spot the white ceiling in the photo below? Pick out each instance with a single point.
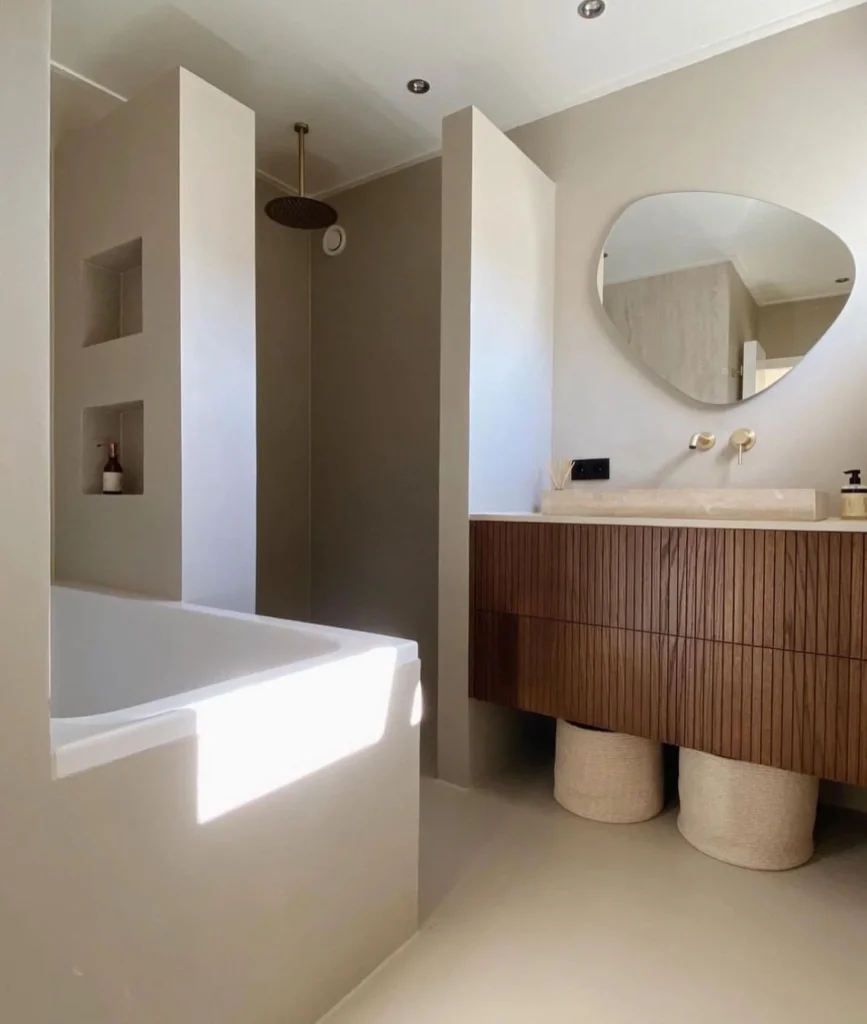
(343, 65)
(781, 256)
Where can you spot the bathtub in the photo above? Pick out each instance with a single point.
(241, 794)
(266, 700)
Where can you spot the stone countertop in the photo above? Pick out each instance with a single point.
(822, 526)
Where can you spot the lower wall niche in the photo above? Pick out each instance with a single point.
(102, 424)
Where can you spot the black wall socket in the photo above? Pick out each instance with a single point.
(591, 469)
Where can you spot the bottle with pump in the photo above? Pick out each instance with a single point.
(112, 474)
(854, 497)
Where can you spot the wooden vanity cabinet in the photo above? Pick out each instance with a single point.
(747, 643)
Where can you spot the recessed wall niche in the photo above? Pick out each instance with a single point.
(124, 424)
(112, 282)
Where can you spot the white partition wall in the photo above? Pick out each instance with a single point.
(218, 347)
(511, 324)
(496, 392)
(154, 262)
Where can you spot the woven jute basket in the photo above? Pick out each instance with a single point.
(746, 814)
(607, 776)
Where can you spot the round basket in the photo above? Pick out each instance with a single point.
(746, 814)
(607, 776)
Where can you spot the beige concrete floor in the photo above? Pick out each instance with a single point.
(532, 915)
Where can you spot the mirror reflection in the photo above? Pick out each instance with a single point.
(722, 295)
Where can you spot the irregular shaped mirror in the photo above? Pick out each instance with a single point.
(721, 295)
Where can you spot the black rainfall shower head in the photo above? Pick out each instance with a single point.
(301, 211)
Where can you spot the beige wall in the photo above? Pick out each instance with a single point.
(283, 368)
(771, 120)
(375, 410)
(24, 428)
(283, 385)
(793, 328)
(156, 169)
(511, 318)
(218, 346)
(496, 367)
(679, 324)
(116, 181)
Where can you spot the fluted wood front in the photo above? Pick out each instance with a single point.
(748, 644)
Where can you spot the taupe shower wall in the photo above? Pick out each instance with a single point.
(283, 414)
(375, 417)
(348, 416)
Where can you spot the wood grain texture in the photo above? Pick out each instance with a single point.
(747, 644)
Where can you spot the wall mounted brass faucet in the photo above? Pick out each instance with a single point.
(702, 442)
(743, 440)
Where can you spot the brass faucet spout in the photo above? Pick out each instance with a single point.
(702, 442)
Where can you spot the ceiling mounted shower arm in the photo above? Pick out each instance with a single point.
(302, 130)
(300, 211)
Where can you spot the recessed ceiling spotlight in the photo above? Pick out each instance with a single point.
(843, 280)
(590, 9)
(418, 86)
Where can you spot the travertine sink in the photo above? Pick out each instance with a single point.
(800, 505)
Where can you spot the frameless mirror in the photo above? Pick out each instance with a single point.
(721, 295)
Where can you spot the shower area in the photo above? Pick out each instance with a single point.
(290, 469)
(348, 358)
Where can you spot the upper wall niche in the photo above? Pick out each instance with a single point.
(112, 283)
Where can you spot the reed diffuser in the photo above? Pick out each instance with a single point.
(560, 473)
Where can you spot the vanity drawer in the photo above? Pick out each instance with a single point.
(785, 590)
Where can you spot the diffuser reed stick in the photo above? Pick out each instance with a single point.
(560, 473)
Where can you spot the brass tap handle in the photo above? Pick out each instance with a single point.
(743, 440)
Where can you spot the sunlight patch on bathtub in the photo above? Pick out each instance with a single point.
(265, 736)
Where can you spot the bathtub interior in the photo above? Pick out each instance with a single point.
(110, 653)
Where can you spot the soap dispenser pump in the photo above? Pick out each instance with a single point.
(854, 497)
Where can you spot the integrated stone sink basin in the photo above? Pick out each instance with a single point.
(756, 504)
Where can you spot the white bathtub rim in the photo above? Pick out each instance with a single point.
(89, 741)
(407, 649)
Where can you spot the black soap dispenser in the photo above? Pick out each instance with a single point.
(854, 497)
